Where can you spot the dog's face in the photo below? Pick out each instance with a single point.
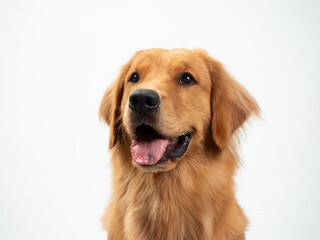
(165, 103)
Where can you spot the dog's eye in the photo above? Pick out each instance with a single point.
(187, 79)
(134, 78)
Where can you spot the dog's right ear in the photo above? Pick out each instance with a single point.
(110, 108)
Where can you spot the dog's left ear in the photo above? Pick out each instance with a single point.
(110, 108)
(231, 104)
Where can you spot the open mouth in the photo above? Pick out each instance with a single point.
(149, 148)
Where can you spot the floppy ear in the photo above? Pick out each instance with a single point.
(110, 108)
(232, 105)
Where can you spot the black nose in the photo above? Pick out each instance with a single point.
(144, 101)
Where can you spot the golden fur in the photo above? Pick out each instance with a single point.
(192, 197)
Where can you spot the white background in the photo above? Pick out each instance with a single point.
(58, 57)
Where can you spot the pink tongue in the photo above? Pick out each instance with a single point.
(148, 152)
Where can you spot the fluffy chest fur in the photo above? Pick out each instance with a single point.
(164, 207)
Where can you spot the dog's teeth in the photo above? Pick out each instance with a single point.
(172, 141)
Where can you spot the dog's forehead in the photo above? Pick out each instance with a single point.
(169, 59)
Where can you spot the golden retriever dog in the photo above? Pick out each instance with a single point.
(174, 116)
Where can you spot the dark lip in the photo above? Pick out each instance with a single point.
(173, 152)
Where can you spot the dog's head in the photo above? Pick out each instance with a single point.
(166, 103)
